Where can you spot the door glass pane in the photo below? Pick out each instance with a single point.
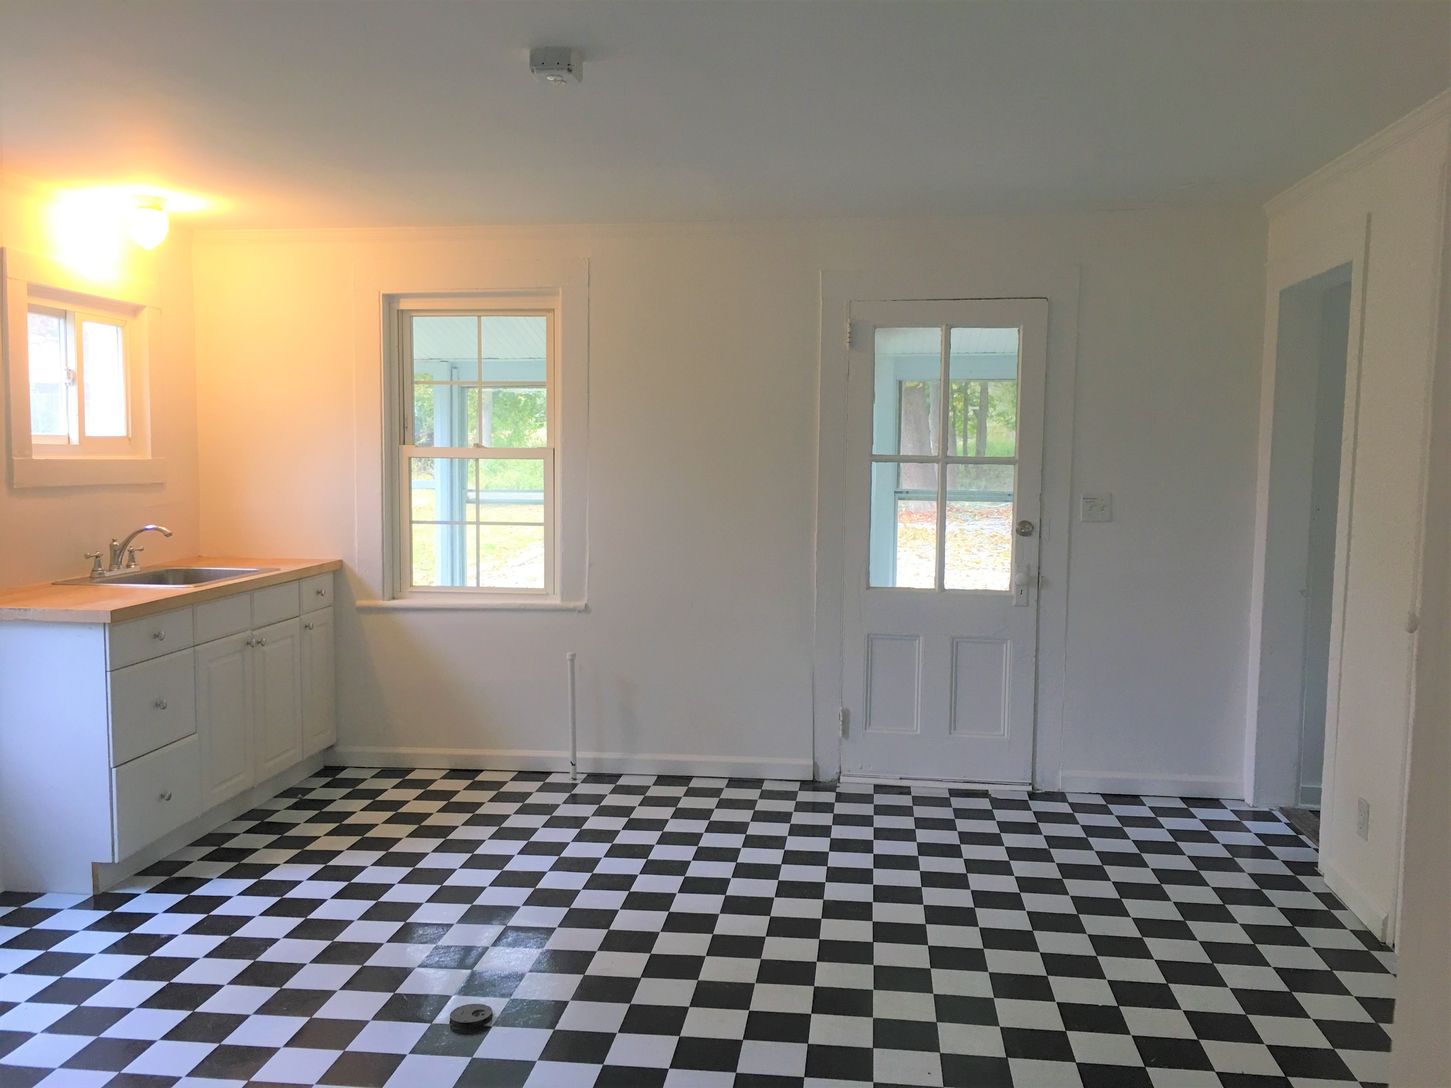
(445, 348)
(477, 522)
(983, 414)
(906, 402)
(104, 379)
(47, 364)
(516, 348)
(903, 547)
(979, 545)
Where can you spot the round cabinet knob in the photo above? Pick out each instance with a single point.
(160, 704)
(165, 795)
(319, 593)
(307, 627)
(1026, 528)
(159, 636)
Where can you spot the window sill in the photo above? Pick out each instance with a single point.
(86, 471)
(471, 604)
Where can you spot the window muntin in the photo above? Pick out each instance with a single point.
(477, 462)
(942, 513)
(79, 374)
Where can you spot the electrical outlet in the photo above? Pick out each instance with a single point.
(1362, 818)
(1096, 507)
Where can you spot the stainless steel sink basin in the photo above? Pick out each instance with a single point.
(167, 576)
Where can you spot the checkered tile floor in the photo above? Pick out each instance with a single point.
(641, 931)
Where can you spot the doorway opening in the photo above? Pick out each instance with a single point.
(1309, 424)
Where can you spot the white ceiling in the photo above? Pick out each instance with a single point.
(362, 112)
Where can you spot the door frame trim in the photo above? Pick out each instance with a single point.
(838, 290)
(1347, 245)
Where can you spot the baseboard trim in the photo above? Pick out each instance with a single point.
(1356, 899)
(518, 759)
(933, 783)
(1190, 785)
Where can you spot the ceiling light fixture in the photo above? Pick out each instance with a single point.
(148, 222)
(555, 64)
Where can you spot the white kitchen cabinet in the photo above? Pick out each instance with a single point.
(319, 679)
(277, 653)
(122, 741)
(224, 703)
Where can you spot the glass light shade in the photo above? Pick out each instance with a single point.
(149, 224)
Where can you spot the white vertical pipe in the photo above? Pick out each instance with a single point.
(573, 723)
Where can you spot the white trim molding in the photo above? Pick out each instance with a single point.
(515, 759)
(1192, 785)
(1358, 901)
(1436, 110)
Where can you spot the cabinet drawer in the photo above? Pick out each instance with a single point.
(274, 603)
(228, 616)
(152, 704)
(141, 640)
(156, 794)
(317, 592)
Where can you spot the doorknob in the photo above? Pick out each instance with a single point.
(1026, 528)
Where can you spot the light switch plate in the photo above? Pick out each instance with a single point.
(1097, 507)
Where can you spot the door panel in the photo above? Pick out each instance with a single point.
(224, 692)
(894, 668)
(981, 678)
(940, 602)
(278, 653)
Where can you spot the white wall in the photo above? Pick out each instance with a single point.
(45, 532)
(703, 369)
(1421, 1049)
(1392, 189)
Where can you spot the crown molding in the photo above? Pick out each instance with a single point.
(1434, 111)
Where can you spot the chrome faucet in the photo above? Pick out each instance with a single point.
(123, 553)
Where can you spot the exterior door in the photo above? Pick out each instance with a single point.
(944, 449)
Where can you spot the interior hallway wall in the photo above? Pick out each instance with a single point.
(695, 653)
(1421, 1043)
(1393, 183)
(45, 532)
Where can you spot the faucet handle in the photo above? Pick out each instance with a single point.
(131, 554)
(95, 558)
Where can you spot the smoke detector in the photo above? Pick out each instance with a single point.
(557, 64)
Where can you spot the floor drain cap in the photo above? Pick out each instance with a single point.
(470, 1019)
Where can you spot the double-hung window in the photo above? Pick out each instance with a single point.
(476, 460)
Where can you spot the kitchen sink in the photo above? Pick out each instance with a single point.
(167, 576)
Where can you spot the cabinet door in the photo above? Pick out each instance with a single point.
(319, 682)
(277, 659)
(224, 694)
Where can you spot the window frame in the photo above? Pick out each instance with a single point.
(34, 283)
(399, 446)
(77, 443)
(942, 461)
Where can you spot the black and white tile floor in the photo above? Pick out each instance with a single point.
(641, 931)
